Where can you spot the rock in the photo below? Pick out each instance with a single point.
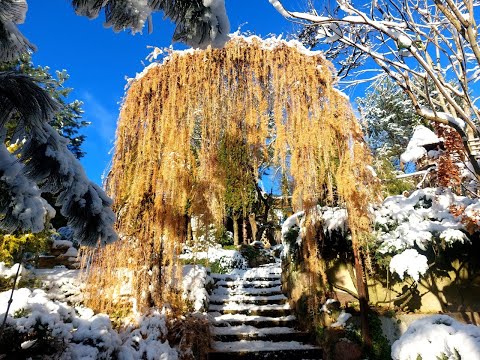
(347, 350)
(264, 257)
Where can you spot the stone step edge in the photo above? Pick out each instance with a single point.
(270, 313)
(248, 301)
(315, 354)
(273, 337)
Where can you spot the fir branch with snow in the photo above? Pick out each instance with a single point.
(44, 164)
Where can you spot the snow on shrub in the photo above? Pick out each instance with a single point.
(412, 223)
(438, 337)
(39, 324)
(82, 333)
(410, 262)
(227, 260)
(408, 224)
(9, 272)
(147, 340)
(332, 218)
(195, 279)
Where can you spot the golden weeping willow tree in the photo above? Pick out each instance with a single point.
(273, 99)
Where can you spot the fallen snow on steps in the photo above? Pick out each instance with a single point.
(245, 345)
(240, 298)
(217, 317)
(247, 291)
(253, 283)
(248, 329)
(263, 272)
(251, 307)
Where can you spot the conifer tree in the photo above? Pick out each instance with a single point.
(42, 162)
(389, 118)
(68, 119)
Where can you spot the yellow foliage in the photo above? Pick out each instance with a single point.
(13, 245)
(167, 163)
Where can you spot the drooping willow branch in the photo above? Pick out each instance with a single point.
(191, 135)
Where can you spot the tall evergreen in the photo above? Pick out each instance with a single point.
(68, 118)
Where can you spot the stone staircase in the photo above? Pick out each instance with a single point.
(251, 318)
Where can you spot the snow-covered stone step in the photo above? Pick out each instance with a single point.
(248, 299)
(252, 309)
(245, 332)
(250, 350)
(258, 321)
(264, 277)
(268, 291)
(229, 330)
(248, 284)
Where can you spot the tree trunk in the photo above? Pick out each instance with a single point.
(235, 230)
(362, 290)
(253, 225)
(244, 232)
(188, 230)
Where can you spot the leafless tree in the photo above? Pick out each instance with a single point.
(428, 47)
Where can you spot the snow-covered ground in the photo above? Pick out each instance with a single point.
(228, 260)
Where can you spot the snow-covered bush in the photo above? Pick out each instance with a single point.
(438, 337)
(37, 325)
(219, 260)
(195, 281)
(408, 227)
(229, 263)
(333, 221)
(147, 340)
(39, 322)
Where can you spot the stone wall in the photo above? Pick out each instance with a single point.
(456, 290)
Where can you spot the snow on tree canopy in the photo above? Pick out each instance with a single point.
(12, 42)
(44, 164)
(416, 147)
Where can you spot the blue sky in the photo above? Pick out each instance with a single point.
(98, 60)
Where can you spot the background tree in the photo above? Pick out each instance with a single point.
(429, 48)
(389, 119)
(235, 161)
